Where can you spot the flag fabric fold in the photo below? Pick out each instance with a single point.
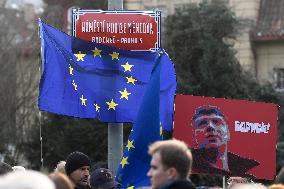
(90, 80)
(135, 163)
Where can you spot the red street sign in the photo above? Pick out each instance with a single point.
(131, 30)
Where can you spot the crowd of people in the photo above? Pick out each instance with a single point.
(170, 168)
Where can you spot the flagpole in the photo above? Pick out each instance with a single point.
(115, 130)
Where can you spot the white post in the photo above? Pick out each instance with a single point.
(115, 145)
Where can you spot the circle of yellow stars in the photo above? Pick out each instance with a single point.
(97, 53)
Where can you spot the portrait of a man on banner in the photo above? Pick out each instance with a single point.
(235, 138)
(210, 145)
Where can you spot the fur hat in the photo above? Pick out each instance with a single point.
(75, 160)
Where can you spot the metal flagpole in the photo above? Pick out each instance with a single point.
(224, 182)
(40, 138)
(115, 130)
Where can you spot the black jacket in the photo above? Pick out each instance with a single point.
(238, 165)
(82, 187)
(178, 184)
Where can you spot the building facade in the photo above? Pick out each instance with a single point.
(262, 55)
(267, 39)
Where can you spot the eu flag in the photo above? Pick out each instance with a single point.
(135, 163)
(89, 80)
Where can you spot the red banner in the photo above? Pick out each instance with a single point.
(228, 137)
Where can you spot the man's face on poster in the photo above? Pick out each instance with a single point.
(209, 129)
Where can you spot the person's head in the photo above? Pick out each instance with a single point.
(248, 186)
(209, 128)
(61, 181)
(5, 168)
(77, 168)
(102, 178)
(276, 186)
(171, 160)
(26, 179)
(18, 168)
(60, 167)
(236, 180)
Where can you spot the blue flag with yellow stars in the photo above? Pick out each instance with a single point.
(135, 163)
(90, 80)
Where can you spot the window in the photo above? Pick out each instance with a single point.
(279, 79)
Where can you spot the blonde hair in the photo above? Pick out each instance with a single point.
(61, 181)
(276, 186)
(174, 153)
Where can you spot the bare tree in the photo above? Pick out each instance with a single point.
(19, 50)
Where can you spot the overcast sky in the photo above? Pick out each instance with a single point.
(37, 3)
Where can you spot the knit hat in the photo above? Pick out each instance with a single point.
(75, 160)
(103, 178)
